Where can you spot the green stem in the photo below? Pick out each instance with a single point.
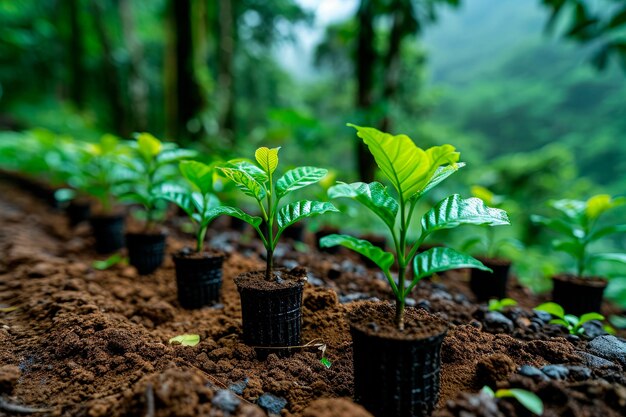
(200, 238)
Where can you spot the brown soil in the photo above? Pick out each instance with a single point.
(596, 282)
(255, 280)
(83, 342)
(494, 261)
(378, 319)
(189, 253)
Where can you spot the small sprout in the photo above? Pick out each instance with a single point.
(618, 322)
(571, 322)
(500, 305)
(109, 262)
(529, 400)
(326, 362)
(185, 340)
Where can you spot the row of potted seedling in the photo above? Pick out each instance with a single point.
(394, 346)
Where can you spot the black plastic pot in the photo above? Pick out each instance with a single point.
(108, 232)
(271, 312)
(145, 251)
(578, 295)
(78, 212)
(486, 285)
(198, 279)
(396, 377)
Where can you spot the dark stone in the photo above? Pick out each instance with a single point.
(573, 338)
(496, 322)
(595, 361)
(441, 295)
(593, 329)
(579, 373)
(355, 296)
(609, 347)
(543, 316)
(555, 371)
(238, 387)
(532, 372)
(460, 298)
(226, 400)
(425, 304)
(313, 280)
(272, 403)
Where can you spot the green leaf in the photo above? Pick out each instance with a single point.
(267, 158)
(185, 340)
(590, 316)
(618, 321)
(174, 155)
(441, 259)
(245, 182)
(108, 263)
(571, 247)
(440, 175)
(455, 211)
(374, 196)
(254, 171)
(383, 259)
(526, 398)
(182, 199)
(198, 174)
(552, 308)
(612, 257)
(408, 168)
(598, 204)
(557, 225)
(507, 302)
(298, 178)
(326, 362)
(487, 390)
(560, 322)
(233, 212)
(606, 231)
(148, 146)
(296, 211)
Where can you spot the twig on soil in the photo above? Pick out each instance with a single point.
(216, 381)
(315, 343)
(21, 409)
(149, 401)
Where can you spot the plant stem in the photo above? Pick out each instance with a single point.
(400, 249)
(200, 238)
(400, 313)
(269, 265)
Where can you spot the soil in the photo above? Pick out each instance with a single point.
(283, 278)
(75, 341)
(595, 282)
(189, 253)
(378, 319)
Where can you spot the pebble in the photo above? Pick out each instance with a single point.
(593, 329)
(532, 372)
(438, 294)
(238, 387)
(543, 316)
(272, 403)
(422, 303)
(460, 298)
(226, 400)
(555, 371)
(595, 361)
(373, 326)
(410, 302)
(355, 296)
(313, 280)
(496, 322)
(609, 347)
(579, 373)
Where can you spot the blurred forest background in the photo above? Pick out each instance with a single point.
(533, 93)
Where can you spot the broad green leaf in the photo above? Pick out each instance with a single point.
(552, 308)
(148, 146)
(606, 231)
(374, 196)
(558, 225)
(254, 171)
(233, 212)
(482, 193)
(571, 319)
(572, 247)
(326, 362)
(590, 316)
(618, 321)
(245, 182)
(440, 175)
(267, 158)
(108, 263)
(383, 259)
(612, 257)
(175, 155)
(506, 302)
(185, 340)
(526, 398)
(198, 174)
(441, 259)
(601, 203)
(455, 211)
(296, 211)
(572, 209)
(494, 305)
(184, 200)
(408, 168)
(298, 178)
(560, 322)
(488, 391)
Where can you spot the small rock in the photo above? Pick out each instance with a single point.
(573, 338)
(595, 361)
(460, 298)
(422, 303)
(238, 387)
(496, 322)
(226, 400)
(272, 403)
(532, 372)
(579, 373)
(313, 280)
(476, 323)
(543, 316)
(609, 347)
(410, 302)
(555, 371)
(593, 329)
(355, 296)
(373, 326)
(438, 294)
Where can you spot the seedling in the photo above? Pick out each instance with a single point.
(572, 323)
(412, 172)
(578, 224)
(500, 305)
(185, 340)
(258, 181)
(197, 202)
(527, 399)
(109, 262)
(152, 168)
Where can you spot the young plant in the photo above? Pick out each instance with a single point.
(579, 226)
(197, 202)
(412, 172)
(152, 166)
(529, 400)
(258, 182)
(572, 323)
(500, 305)
(490, 246)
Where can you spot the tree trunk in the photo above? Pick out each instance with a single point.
(225, 78)
(77, 73)
(365, 63)
(137, 86)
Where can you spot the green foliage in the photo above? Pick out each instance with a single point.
(258, 182)
(572, 323)
(578, 224)
(412, 172)
(529, 400)
(500, 305)
(111, 261)
(185, 340)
